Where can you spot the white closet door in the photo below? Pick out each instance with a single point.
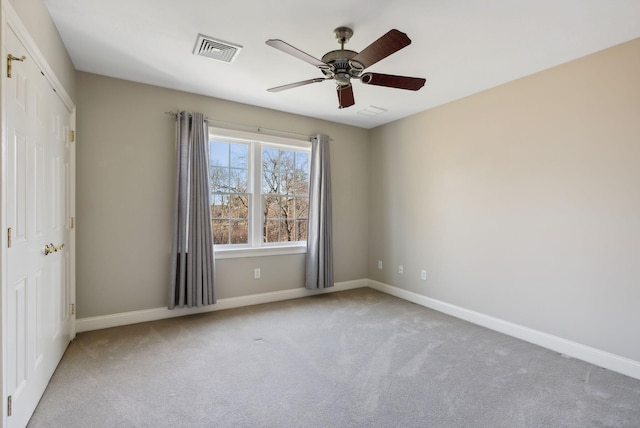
(38, 314)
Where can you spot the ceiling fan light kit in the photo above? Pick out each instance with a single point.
(343, 65)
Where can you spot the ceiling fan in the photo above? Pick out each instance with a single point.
(343, 65)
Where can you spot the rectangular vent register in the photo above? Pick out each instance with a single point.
(216, 49)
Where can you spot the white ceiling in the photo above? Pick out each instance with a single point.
(460, 46)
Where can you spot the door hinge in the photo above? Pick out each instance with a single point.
(9, 406)
(72, 136)
(72, 222)
(73, 309)
(10, 59)
(9, 238)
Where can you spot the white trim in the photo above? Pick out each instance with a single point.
(591, 355)
(245, 136)
(276, 250)
(134, 317)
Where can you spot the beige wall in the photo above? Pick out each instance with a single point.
(35, 17)
(125, 192)
(522, 202)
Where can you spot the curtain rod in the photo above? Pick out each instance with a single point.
(255, 128)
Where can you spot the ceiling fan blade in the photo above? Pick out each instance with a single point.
(287, 48)
(345, 96)
(295, 85)
(391, 81)
(390, 43)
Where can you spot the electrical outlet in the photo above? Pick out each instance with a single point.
(380, 264)
(423, 275)
(401, 269)
(256, 273)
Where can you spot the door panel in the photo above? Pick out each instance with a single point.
(38, 319)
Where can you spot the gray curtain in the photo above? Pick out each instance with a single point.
(192, 256)
(319, 258)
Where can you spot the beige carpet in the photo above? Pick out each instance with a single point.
(357, 358)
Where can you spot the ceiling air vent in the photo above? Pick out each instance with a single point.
(216, 49)
(372, 111)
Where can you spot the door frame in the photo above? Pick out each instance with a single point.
(9, 19)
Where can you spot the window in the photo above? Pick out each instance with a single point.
(285, 195)
(230, 197)
(259, 193)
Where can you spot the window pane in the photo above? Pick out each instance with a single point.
(219, 154)
(239, 232)
(220, 206)
(220, 230)
(302, 208)
(270, 207)
(270, 182)
(287, 160)
(271, 231)
(285, 218)
(288, 183)
(302, 161)
(239, 154)
(301, 230)
(287, 227)
(302, 174)
(270, 156)
(285, 173)
(238, 180)
(229, 192)
(219, 179)
(270, 170)
(239, 206)
(287, 207)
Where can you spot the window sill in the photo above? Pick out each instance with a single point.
(237, 253)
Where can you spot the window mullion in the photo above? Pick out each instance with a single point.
(256, 195)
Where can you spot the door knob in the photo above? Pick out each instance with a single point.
(50, 248)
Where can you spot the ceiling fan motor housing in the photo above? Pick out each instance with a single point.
(341, 66)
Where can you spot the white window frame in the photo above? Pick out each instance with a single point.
(255, 247)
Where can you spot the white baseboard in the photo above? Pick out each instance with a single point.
(134, 317)
(591, 355)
